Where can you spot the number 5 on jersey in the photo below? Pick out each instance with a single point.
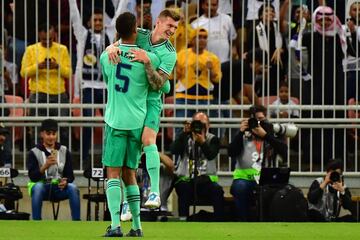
(125, 85)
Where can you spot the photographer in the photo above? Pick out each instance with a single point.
(254, 147)
(328, 194)
(51, 173)
(196, 167)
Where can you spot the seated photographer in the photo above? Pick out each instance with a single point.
(255, 146)
(196, 167)
(50, 171)
(328, 194)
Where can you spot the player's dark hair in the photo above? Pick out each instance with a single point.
(126, 25)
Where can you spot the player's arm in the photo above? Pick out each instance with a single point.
(156, 78)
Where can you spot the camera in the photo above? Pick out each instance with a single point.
(335, 176)
(197, 126)
(285, 129)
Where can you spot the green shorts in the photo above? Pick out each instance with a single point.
(122, 147)
(152, 119)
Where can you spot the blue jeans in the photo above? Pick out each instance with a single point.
(90, 96)
(47, 191)
(242, 190)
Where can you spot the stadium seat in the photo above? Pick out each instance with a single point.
(98, 197)
(98, 131)
(16, 112)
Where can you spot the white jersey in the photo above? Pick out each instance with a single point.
(221, 32)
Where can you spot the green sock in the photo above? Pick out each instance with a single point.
(133, 197)
(153, 166)
(124, 199)
(113, 195)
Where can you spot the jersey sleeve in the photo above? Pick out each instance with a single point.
(166, 87)
(168, 63)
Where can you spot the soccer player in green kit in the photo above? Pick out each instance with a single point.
(127, 86)
(156, 41)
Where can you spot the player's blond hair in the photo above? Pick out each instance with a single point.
(170, 12)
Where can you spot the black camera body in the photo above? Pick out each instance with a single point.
(197, 126)
(335, 176)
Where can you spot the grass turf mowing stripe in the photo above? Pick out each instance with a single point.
(29, 230)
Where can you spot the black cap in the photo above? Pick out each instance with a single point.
(3, 129)
(49, 125)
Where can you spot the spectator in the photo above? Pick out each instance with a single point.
(8, 70)
(220, 28)
(324, 87)
(339, 5)
(51, 173)
(143, 14)
(47, 66)
(241, 85)
(194, 67)
(88, 77)
(328, 194)
(284, 100)
(253, 7)
(252, 148)
(268, 37)
(88, 9)
(196, 167)
(352, 31)
(300, 24)
(26, 17)
(5, 152)
(181, 39)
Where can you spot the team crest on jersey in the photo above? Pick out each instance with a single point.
(89, 58)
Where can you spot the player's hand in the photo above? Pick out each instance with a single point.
(139, 55)
(338, 186)
(114, 53)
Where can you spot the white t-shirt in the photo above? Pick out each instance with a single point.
(254, 5)
(225, 7)
(290, 112)
(221, 32)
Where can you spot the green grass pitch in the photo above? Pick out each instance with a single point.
(64, 230)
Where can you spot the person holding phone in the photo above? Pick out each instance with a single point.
(51, 173)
